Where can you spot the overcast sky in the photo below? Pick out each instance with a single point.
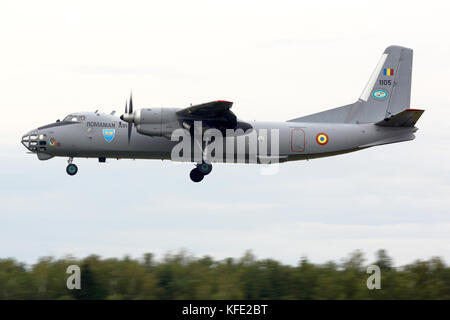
(276, 60)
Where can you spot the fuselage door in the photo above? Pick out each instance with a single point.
(297, 140)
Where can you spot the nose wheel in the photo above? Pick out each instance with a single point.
(200, 171)
(71, 168)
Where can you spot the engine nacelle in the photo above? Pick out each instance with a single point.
(156, 121)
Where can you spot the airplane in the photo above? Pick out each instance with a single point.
(381, 115)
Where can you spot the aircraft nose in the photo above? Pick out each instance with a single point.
(30, 140)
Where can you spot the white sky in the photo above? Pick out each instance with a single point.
(276, 60)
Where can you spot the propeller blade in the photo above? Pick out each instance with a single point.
(131, 103)
(126, 107)
(130, 127)
(130, 124)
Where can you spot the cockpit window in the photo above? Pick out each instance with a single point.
(75, 117)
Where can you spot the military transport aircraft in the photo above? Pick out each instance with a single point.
(381, 115)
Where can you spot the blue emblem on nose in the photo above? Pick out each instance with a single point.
(109, 134)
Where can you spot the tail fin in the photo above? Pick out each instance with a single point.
(389, 89)
(387, 93)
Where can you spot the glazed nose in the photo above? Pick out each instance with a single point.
(34, 141)
(30, 140)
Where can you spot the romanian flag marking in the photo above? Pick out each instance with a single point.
(388, 72)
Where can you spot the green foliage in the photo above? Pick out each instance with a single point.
(181, 276)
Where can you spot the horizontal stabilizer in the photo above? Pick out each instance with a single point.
(406, 118)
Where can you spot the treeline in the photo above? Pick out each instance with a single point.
(181, 276)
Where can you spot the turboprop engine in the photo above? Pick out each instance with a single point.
(151, 121)
(156, 121)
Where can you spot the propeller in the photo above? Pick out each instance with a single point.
(130, 125)
(128, 116)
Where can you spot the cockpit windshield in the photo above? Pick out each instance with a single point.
(75, 117)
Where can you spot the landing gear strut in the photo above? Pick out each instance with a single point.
(201, 169)
(71, 169)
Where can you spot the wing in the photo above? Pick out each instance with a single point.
(210, 110)
(214, 114)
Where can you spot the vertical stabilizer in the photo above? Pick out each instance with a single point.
(389, 88)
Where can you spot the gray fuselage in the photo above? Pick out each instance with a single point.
(297, 140)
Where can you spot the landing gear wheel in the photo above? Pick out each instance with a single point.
(204, 168)
(196, 175)
(71, 169)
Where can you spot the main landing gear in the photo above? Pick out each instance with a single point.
(71, 168)
(200, 171)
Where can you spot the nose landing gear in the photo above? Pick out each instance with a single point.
(71, 168)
